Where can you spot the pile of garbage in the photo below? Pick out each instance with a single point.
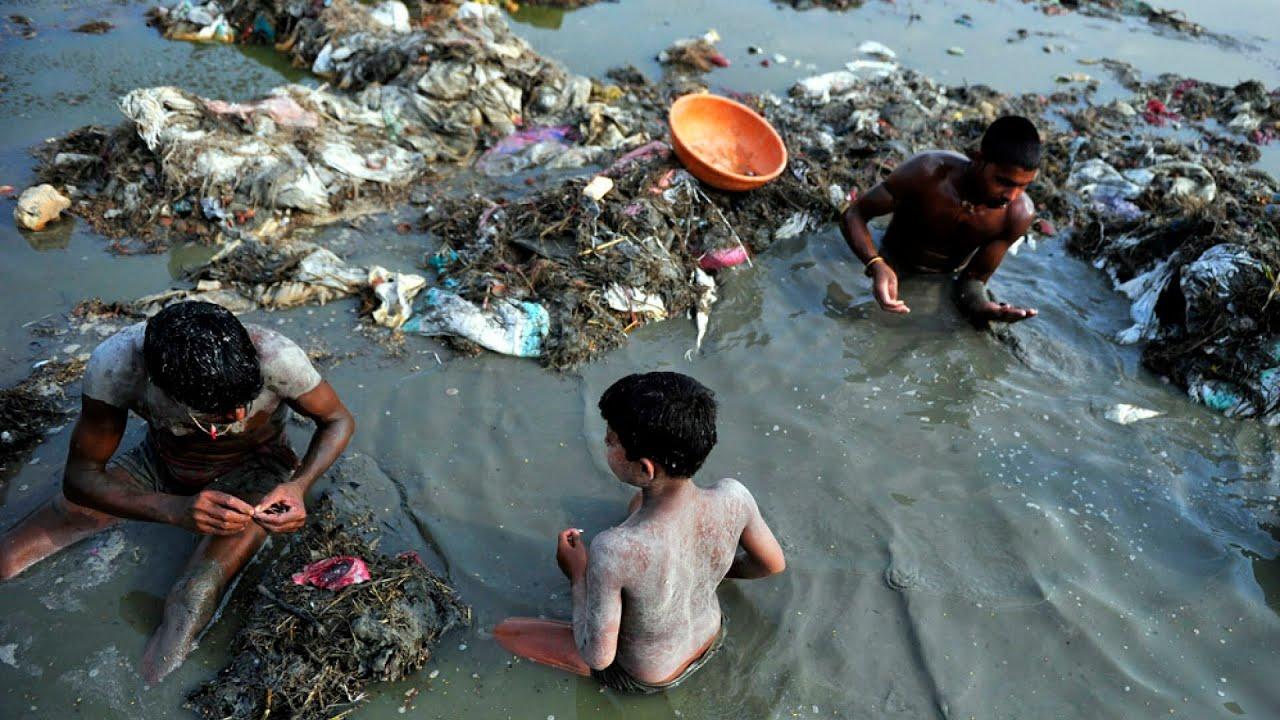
(1188, 231)
(331, 615)
(1156, 190)
(1156, 187)
(566, 273)
(248, 274)
(695, 55)
(1116, 9)
(1177, 20)
(418, 96)
(31, 408)
(828, 4)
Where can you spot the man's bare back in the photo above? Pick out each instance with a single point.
(951, 214)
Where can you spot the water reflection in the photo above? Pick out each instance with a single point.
(548, 18)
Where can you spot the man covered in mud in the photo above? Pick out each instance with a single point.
(645, 612)
(951, 214)
(215, 395)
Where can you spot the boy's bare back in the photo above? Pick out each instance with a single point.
(663, 566)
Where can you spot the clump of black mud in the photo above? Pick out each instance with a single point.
(1116, 9)
(307, 653)
(33, 406)
(828, 4)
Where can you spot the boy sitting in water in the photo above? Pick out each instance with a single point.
(645, 612)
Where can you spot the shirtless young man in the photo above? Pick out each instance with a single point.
(951, 214)
(645, 612)
(215, 395)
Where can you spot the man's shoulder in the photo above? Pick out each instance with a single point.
(1020, 215)
(928, 169)
(286, 369)
(116, 370)
(935, 161)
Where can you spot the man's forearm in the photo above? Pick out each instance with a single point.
(578, 591)
(96, 489)
(326, 446)
(970, 294)
(745, 567)
(856, 234)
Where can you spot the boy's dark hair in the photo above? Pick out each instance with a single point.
(664, 416)
(199, 354)
(1012, 140)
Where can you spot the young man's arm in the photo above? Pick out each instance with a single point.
(759, 553)
(334, 428)
(971, 290)
(596, 580)
(86, 481)
(880, 200)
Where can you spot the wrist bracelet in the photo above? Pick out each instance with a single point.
(872, 261)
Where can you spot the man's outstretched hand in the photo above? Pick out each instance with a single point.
(1002, 312)
(884, 285)
(283, 510)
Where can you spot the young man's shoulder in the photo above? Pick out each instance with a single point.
(922, 172)
(286, 369)
(115, 371)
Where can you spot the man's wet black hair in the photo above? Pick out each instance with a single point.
(199, 354)
(1012, 140)
(664, 416)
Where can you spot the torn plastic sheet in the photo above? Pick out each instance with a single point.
(794, 226)
(1126, 414)
(1144, 290)
(508, 327)
(395, 293)
(635, 300)
(707, 297)
(1210, 282)
(554, 148)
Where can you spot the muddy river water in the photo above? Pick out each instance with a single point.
(967, 536)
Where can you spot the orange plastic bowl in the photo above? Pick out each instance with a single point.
(724, 143)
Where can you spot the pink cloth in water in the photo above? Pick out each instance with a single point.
(723, 258)
(333, 573)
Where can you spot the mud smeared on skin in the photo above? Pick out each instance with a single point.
(670, 568)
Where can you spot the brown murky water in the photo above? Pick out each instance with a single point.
(967, 536)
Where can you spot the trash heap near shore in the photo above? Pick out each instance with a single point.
(1188, 231)
(30, 408)
(331, 615)
(411, 99)
(1154, 188)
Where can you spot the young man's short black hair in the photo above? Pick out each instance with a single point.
(1012, 140)
(667, 417)
(199, 354)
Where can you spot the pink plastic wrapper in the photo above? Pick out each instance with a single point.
(333, 573)
(723, 258)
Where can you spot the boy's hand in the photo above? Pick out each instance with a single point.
(571, 554)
